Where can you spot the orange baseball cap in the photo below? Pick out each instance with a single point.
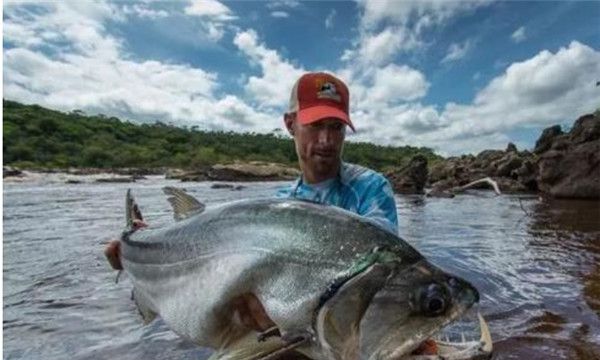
(319, 95)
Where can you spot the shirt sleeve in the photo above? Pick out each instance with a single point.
(378, 204)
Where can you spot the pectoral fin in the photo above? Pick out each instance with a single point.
(337, 323)
(249, 348)
(143, 305)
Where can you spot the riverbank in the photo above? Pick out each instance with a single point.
(561, 165)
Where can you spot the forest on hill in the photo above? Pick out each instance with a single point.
(37, 137)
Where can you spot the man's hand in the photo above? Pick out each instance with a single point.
(112, 251)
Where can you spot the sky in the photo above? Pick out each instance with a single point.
(458, 77)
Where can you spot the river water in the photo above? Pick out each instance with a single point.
(536, 264)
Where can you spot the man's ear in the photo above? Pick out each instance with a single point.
(288, 119)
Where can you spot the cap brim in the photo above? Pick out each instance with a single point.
(316, 113)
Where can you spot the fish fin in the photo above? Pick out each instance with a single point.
(132, 211)
(338, 321)
(248, 348)
(184, 205)
(141, 303)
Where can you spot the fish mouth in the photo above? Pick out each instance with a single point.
(445, 349)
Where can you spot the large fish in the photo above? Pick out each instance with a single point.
(331, 284)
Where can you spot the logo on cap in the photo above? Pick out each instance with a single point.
(327, 90)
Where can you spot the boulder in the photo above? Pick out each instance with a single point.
(412, 178)
(571, 169)
(509, 162)
(545, 141)
(526, 174)
(252, 171)
(511, 148)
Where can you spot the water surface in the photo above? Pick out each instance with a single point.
(536, 264)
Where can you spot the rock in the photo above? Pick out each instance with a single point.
(571, 169)
(526, 175)
(252, 171)
(127, 179)
(510, 186)
(487, 156)
(194, 176)
(11, 171)
(221, 186)
(545, 141)
(507, 164)
(586, 128)
(442, 189)
(73, 181)
(511, 148)
(174, 173)
(412, 178)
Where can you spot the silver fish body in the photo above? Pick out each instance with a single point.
(317, 271)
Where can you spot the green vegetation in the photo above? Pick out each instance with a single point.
(38, 137)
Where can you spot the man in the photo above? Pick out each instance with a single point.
(317, 118)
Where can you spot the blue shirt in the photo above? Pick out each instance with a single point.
(357, 189)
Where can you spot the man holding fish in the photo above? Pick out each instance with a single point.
(321, 281)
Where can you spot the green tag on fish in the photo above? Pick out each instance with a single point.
(375, 257)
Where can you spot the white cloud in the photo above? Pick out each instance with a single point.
(546, 89)
(212, 9)
(380, 48)
(280, 14)
(417, 15)
(143, 11)
(214, 31)
(272, 89)
(94, 73)
(274, 4)
(388, 27)
(457, 51)
(329, 19)
(395, 83)
(519, 35)
(79, 24)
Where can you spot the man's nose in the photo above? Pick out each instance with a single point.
(324, 136)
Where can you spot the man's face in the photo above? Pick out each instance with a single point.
(319, 145)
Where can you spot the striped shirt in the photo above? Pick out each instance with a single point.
(357, 189)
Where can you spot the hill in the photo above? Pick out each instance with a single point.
(37, 137)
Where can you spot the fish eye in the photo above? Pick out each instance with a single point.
(434, 300)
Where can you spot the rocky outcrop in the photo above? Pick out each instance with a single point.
(503, 167)
(570, 168)
(565, 165)
(412, 178)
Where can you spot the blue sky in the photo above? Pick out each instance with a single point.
(458, 77)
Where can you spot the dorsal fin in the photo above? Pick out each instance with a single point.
(132, 211)
(184, 205)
